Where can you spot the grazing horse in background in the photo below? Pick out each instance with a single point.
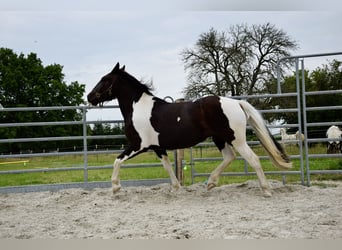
(153, 123)
(300, 137)
(335, 144)
(287, 138)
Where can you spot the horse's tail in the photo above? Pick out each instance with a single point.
(273, 148)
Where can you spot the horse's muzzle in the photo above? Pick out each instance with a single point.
(92, 99)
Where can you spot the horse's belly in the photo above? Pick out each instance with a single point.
(175, 139)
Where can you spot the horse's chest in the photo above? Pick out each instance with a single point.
(142, 112)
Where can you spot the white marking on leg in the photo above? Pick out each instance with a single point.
(168, 166)
(228, 156)
(142, 112)
(253, 160)
(115, 176)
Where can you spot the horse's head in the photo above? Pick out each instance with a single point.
(105, 89)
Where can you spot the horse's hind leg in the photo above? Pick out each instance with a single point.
(228, 156)
(247, 153)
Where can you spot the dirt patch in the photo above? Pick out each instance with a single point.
(237, 211)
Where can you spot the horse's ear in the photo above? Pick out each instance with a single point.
(116, 68)
(123, 68)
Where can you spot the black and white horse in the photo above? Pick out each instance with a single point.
(335, 136)
(152, 123)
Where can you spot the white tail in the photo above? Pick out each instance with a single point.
(273, 148)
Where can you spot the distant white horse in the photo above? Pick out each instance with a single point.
(286, 138)
(300, 137)
(334, 145)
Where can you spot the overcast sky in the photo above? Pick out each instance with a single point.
(148, 38)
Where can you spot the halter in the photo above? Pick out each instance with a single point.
(109, 90)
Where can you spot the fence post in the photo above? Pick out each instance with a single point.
(180, 158)
(85, 145)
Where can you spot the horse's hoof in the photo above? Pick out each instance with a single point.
(176, 187)
(115, 188)
(267, 193)
(211, 186)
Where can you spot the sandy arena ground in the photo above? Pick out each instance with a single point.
(237, 211)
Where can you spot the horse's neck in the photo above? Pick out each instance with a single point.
(126, 98)
(126, 108)
(129, 92)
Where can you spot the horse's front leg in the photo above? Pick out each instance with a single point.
(116, 168)
(115, 176)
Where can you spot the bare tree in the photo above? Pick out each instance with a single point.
(236, 62)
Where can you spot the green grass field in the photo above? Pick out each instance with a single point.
(153, 172)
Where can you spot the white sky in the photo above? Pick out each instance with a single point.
(89, 37)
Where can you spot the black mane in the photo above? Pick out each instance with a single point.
(141, 87)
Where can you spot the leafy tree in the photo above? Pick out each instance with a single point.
(235, 62)
(26, 82)
(106, 129)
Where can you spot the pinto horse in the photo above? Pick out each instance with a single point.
(334, 144)
(152, 123)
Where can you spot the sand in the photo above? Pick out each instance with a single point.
(237, 211)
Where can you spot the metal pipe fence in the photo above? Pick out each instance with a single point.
(304, 156)
(304, 170)
(83, 151)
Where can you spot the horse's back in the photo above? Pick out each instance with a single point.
(178, 124)
(188, 123)
(334, 132)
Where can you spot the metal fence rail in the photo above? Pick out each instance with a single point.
(85, 152)
(302, 110)
(307, 123)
